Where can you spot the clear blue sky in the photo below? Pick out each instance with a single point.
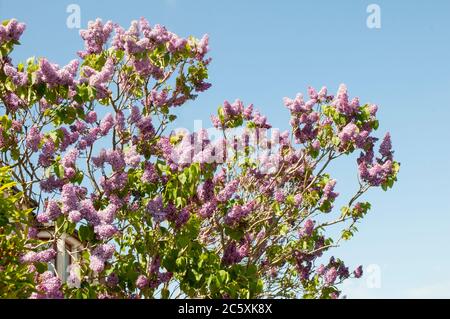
(265, 50)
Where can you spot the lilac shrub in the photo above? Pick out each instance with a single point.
(177, 214)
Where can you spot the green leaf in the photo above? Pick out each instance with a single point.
(182, 178)
(86, 233)
(223, 277)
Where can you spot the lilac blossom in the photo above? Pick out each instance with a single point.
(228, 191)
(105, 231)
(142, 282)
(358, 272)
(330, 276)
(307, 229)
(49, 287)
(386, 146)
(96, 36)
(33, 138)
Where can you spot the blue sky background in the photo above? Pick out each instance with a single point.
(265, 50)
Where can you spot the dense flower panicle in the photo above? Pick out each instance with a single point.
(231, 254)
(181, 217)
(13, 102)
(112, 280)
(46, 255)
(205, 192)
(142, 282)
(100, 255)
(69, 198)
(100, 160)
(330, 276)
(96, 36)
(157, 98)
(216, 121)
(342, 102)
(70, 158)
(348, 133)
(165, 277)
(113, 183)
(113, 157)
(260, 121)
(226, 193)
(132, 157)
(375, 174)
(91, 117)
(297, 105)
(155, 265)
(156, 209)
(106, 124)
(52, 75)
(307, 228)
(48, 150)
(279, 196)
(16, 126)
(89, 138)
(328, 190)
(248, 112)
(313, 95)
(358, 272)
(67, 138)
(202, 47)
(236, 214)
(12, 31)
(386, 146)
(298, 199)
(42, 256)
(75, 216)
(74, 278)
(207, 209)
(321, 270)
(33, 138)
(145, 126)
(99, 79)
(52, 212)
(96, 263)
(135, 115)
(373, 108)
(105, 231)
(18, 78)
(108, 214)
(119, 121)
(88, 211)
(166, 148)
(149, 175)
(32, 232)
(176, 43)
(69, 172)
(234, 109)
(51, 184)
(49, 287)
(322, 95)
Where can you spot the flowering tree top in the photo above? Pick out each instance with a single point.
(239, 210)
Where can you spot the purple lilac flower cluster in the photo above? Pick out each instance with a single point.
(44, 256)
(52, 75)
(48, 287)
(100, 255)
(12, 31)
